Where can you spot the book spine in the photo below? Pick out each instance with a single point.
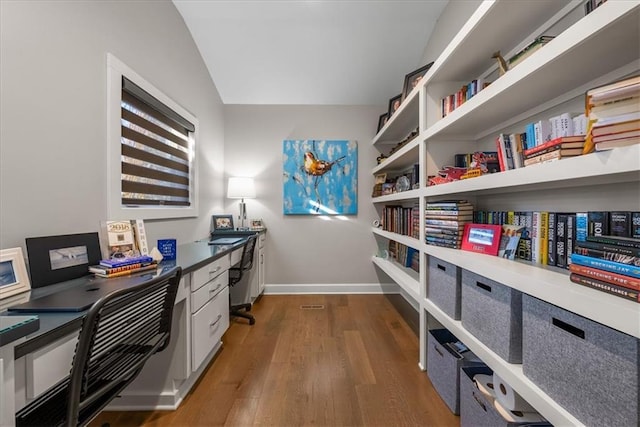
(619, 291)
(535, 238)
(628, 243)
(601, 264)
(108, 270)
(620, 224)
(598, 222)
(582, 226)
(128, 272)
(545, 157)
(561, 240)
(111, 263)
(612, 248)
(443, 212)
(501, 156)
(610, 256)
(442, 222)
(635, 225)
(551, 236)
(544, 238)
(571, 236)
(606, 276)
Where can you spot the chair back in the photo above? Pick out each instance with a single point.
(119, 333)
(246, 262)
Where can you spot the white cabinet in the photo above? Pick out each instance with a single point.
(261, 264)
(587, 51)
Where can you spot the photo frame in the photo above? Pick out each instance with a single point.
(256, 224)
(13, 273)
(55, 259)
(382, 120)
(482, 238)
(222, 223)
(412, 79)
(394, 104)
(380, 178)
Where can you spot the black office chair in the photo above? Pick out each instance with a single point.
(235, 275)
(119, 333)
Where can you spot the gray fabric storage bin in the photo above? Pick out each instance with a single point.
(444, 286)
(589, 369)
(443, 366)
(492, 312)
(476, 409)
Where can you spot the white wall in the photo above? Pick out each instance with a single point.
(304, 249)
(53, 115)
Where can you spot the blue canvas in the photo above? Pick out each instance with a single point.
(320, 177)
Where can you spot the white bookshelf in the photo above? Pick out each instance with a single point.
(587, 51)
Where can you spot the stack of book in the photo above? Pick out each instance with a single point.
(444, 222)
(609, 264)
(614, 115)
(405, 255)
(556, 149)
(116, 267)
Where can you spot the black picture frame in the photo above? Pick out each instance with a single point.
(221, 223)
(55, 259)
(394, 104)
(382, 120)
(412, 79)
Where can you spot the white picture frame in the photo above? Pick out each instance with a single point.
(13, 273)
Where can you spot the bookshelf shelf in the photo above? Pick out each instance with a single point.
(587, 51)
(406, 278)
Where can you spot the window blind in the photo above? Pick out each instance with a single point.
(156, 151)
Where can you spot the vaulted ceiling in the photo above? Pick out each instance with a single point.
(310, 52)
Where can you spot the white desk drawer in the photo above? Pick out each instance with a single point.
(208, 291)
(236, 256)
(207, 327)
(262, 237)
(48, 365)
(208, 272)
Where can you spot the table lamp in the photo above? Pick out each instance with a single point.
(241, 188)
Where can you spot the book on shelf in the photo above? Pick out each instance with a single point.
(618, 89)
(598, 223)
(609, 288)
(448, 204)
(571, 235)
(460, 218)
(582, 226)
(614, 108)
(611, 248)
(616, 143)
(448, 223)
(620, 224)
(148, 267)
(553, 156)
(613, 240)
(616, 131)
(564, 142)
(610, 256)
(509, 240)
(606, 276)
(561, 240)
(635, 225)
(565, 151)
(551, 239)
(438, 231)
(119, 262)
(602, 264)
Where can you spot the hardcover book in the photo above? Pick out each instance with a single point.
(611, 266)
(620, 224)
(598, 222)
(620, 291)
(627, 242)
(561, 240)
(606, 276)
(635, 225)
(611, 256)
(551, 236)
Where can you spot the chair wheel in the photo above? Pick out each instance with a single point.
(252, 321)
(248, 307)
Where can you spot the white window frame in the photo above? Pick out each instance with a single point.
(116, 69)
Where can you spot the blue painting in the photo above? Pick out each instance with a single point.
(320, 177)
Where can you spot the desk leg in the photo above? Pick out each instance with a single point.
(7, 379)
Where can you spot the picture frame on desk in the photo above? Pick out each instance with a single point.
(482, 238)
(222, 223)
(256, 224)
(54, 259)
(13, 273)
(412, 79)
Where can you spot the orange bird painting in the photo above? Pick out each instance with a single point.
(320, 177)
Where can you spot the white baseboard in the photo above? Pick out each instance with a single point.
(332, 288)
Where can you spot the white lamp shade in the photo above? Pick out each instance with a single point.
(241, 188)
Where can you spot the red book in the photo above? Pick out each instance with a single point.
(605, 276)
(500, 158)
(569, 141)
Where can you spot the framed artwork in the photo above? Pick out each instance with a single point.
(256, 224)
(54, 259)
(412, 79)
(380, 178)
(320, 177)
(394, 104)
(222, 223)
(382, 120)
(482, 238)
(13, 273)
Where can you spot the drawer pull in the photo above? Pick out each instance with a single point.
(211, 291)
(216, 270)
(567, 327)
(442, 267)
(477, 399)
(483, 286)
(216, 321)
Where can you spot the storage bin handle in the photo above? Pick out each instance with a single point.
(567, 327)
(438, 351)
(442, 267)
(483, 286)
(477, 399)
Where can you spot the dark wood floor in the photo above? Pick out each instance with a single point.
(352, 363)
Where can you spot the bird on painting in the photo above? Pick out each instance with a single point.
(315, 167)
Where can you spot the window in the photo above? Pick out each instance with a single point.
(151, 146)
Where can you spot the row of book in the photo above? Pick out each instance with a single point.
(115, 267)
(405, 255)
(609, 264)
(465, 93)
(513, 152)
(445, 221)
(614, 114)
(402, 220)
